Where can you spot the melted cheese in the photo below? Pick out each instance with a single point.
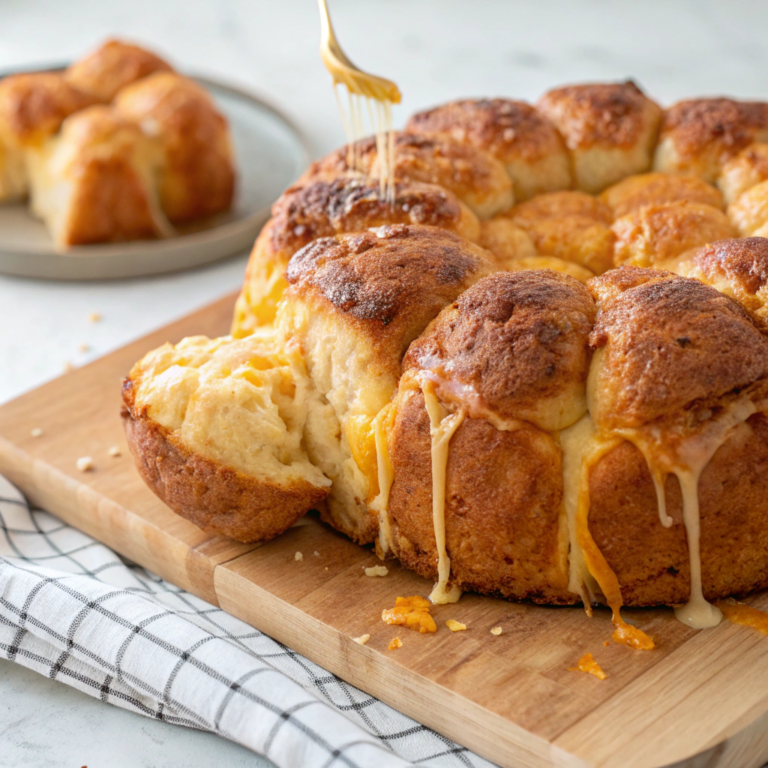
(746, 615)
(380, 505)
(443, 425)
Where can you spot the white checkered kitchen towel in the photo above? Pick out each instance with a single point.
(72, 609)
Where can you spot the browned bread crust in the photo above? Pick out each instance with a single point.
(218, 499)
(112, 66)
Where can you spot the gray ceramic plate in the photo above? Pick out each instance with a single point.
(270, 154)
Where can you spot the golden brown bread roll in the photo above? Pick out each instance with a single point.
(609, 128)
(572, 226)
(512, 131)
(736, 267)
(477, 178)
(354, 304)
(95, 181)
(649, 236)
(112, 66)
(322, 208)
(511, 354)
(506, 240)
(750, 211)
(743, 171)
(699, 135)
(216, 427)
(198, 175)
(657, 189)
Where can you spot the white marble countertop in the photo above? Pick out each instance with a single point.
(435, 50)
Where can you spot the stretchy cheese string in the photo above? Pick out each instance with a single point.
(380, 505)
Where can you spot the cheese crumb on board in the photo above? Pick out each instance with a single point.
(455, 626)
(496, 631)
(84, 463)
(363, 639)
(36, 432)
(411, 612)
(396, 643)
(114, 451)
(94, 317)
(588, 664)
(377, 570)
(298, 556)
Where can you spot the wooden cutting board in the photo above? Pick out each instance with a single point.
(698, 699)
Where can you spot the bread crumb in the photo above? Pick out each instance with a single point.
(377, 570)
(36, 432)
(326, 567)
(363, 639)
(114, 451)
(396, 643)
(455, 626)
(298, 556)
(68, 366)
(94, 317)
(316, 553)
(84, 347)
(85, 463)
(496, 631)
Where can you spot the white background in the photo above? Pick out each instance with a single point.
(435, 50)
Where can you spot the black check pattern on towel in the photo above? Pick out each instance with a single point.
(72, 609)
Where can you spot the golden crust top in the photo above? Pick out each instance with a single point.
(696, 124)
(507, 129)
(656, 189)
(324, 208)
(606, 114)
(515, 340)
(669, 342)
(471, 174)
(558, 205)
(390, 279)
(112, 66)
(33, 106)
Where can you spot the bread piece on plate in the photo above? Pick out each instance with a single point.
(32, 108)
(657, 189)
(216, 427)
(743, 171)
(94, 182)
(651, 235)
(512, 131)
(737, 267)
(322, 208)
(699, 136)
(610, 130)
(477, 178)
(572, 226)
(511, 357)
(354, 304)
(678, 380)
(112, 66)
(197, 177)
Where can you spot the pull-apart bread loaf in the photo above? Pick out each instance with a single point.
(534, 364)
(157, 135)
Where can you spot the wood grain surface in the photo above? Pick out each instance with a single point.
(698, 699)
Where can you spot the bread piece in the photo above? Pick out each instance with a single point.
(750, 212)
(743, 171)
(736, 267)
(198, 174)
(506, 241)
(112, 66)
(94, 182)
(511, 351)
(354, 304)
(216, 427)
(576, 271)
(572, 226)
(512, 131)
(477, 178)
(609, 128)
(672, 356)
(322, 208)
(699, 135)
(649, 236)
(657, 189)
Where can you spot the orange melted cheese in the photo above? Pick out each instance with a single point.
(411, 612)
(746, 615)
(588, 664)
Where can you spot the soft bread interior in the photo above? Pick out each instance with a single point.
(240, 402)
(14, 182)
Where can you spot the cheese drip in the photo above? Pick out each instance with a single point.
(443, 424)
(380, 505)
(380, 117)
